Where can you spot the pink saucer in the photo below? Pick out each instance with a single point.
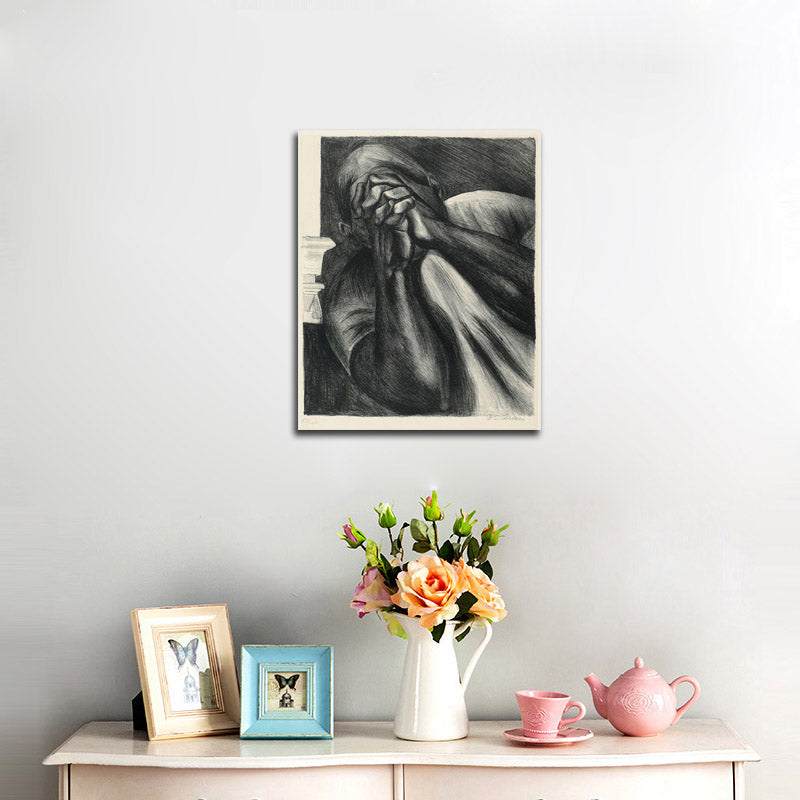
(564, 736)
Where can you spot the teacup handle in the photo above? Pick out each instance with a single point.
(581, 713)
(685, 679)
(487, 634)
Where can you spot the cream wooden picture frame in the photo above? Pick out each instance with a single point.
(187, 670)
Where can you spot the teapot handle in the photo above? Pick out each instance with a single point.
(685, 679)
(487, 634)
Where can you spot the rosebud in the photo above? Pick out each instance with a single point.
(491, 533)
(386, 517)
(430, 507)
(352, 535)
(463, 524)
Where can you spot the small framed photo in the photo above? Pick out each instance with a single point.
(187, 670)
(287, 692)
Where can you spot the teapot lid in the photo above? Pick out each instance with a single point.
(639, 670)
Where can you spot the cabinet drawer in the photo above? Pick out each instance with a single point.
(684, 781)
(160, 783)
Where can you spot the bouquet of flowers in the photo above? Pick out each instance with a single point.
(451, 579)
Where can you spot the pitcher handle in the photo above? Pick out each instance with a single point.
(487, 634)
(685, 679)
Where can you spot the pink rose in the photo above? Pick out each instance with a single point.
(430, 589)
(371, 594)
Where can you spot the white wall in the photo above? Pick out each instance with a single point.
(149, 451)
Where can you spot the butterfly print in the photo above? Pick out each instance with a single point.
(283, 681)
(183, 654)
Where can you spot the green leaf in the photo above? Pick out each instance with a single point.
(472, 548)
(483, 554)
(397, 545)
(437, 631)
(466, 601)
(419, 530)
(386, 567)
(373, 553)
(463, 635)
(488, 569)
(447, 552)
(422, 547)
(394, 626)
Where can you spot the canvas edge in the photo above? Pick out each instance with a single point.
(532, 423)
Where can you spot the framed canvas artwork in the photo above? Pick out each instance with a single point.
(187, 670)
(419, 280)
(287, 692)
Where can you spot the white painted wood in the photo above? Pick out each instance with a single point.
(152, 783)
(63, 782)
(399, 782)
(684, 781)
(365, 743)
(738, 780)
(162, 723)
(695, 760)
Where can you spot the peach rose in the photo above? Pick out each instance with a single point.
(489, 604)
(429, 589)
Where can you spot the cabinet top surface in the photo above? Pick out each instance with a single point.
(691, 741)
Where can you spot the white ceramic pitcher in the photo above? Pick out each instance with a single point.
(430, 706)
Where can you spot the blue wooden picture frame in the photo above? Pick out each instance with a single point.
(287, 692)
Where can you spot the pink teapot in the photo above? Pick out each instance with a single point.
(640, 702)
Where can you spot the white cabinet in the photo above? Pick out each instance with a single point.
(89, 782)
(684, 781)
(695, 760)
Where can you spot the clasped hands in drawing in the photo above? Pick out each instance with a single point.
(396, 229)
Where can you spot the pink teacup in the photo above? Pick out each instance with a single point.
(543, 712)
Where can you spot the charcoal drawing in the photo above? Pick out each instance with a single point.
(418, 281)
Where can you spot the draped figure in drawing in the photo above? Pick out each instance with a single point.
(429, 300)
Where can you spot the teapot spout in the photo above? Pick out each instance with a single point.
(599, 690)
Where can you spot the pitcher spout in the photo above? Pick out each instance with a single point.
(599, 690)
